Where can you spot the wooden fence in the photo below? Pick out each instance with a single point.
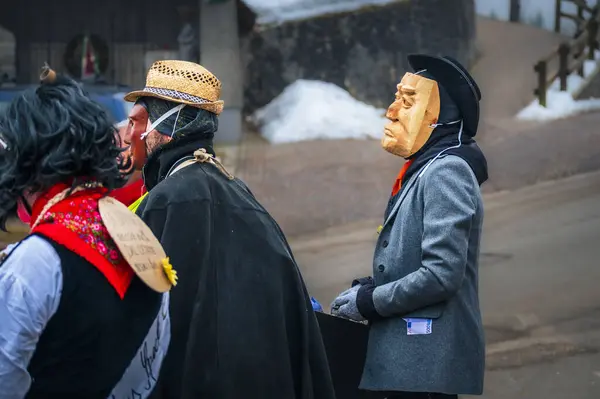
(570, 57)
(579, 19)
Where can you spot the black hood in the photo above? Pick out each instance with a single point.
(449, 110)
(444, 140)
(161, 161)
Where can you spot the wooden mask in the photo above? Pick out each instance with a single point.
(412, 115)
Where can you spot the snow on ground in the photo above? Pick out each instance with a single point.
(311, 110)
(279, 11)
(561, 104)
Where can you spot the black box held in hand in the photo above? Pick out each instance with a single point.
(346, 345)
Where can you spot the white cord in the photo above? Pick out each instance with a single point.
(446, 149)
(162, 119)
(434, 125)
(175, 123)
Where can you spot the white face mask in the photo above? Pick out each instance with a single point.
(162, 119)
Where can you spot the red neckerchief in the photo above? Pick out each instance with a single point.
(398, 182)
(76, 224)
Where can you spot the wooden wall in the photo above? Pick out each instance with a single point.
(131, 28)
(42, 30)
(126, 66)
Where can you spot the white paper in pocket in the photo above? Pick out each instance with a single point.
(418, 326)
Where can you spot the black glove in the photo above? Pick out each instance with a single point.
(364, 298)
(363, 281)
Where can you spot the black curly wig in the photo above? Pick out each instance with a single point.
(55, 134)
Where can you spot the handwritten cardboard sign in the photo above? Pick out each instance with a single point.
(140, 248)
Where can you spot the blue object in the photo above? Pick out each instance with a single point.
(109, 97)
(316, 305)
(113, 104)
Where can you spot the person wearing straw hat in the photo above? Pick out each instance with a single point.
(426, 337)
(75, 320)
(242, 322)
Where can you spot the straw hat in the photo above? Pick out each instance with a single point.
(182, 82)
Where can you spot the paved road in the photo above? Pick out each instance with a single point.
(539, 286)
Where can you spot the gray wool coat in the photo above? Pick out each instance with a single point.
(426, 266)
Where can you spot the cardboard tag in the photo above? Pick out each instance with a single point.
(138, 245)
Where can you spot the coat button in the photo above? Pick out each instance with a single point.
(385, 244)
(381, 268)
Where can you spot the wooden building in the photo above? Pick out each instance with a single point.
(126, 34)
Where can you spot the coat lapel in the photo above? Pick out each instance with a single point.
(401, 197)
(405, 190)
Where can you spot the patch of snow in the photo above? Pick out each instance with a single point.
(279, 11)
(312, 110)
(561, 104)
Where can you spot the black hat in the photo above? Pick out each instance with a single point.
(457, 81)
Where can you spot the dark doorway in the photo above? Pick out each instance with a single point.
(515, 10)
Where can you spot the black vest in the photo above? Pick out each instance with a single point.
(93, 336)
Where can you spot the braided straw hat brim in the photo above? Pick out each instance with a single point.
(215, 107)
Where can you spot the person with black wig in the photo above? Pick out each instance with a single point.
(75, 321)
(243, 323)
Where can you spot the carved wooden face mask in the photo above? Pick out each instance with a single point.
(412, 115)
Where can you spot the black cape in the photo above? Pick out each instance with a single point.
(242, 320)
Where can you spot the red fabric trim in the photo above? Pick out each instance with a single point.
(75, 223)
(130, 193)
(398, 182)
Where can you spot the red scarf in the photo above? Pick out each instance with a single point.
(398, 182)
(129, 193)
(76, 224)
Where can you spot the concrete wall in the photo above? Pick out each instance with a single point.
(362, 51)
(220, 55)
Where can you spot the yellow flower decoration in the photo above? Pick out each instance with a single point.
(379, 229)
(169, 271)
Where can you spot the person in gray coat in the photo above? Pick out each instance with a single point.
(426, 338)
